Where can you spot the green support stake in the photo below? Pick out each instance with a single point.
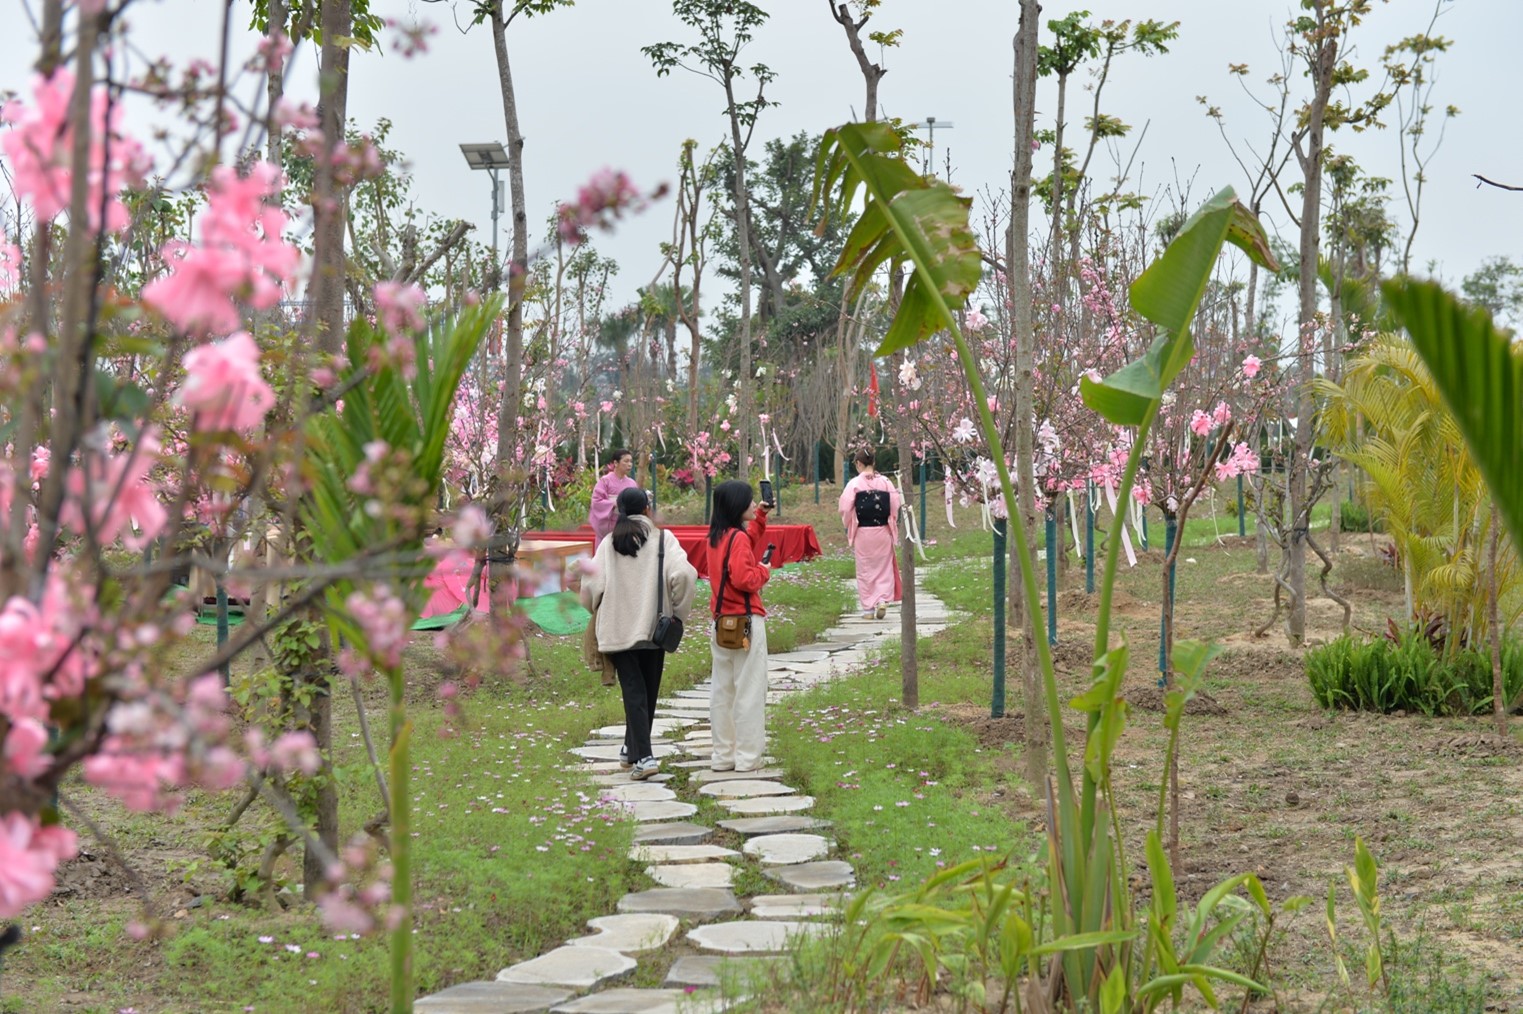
(1242, 521)
(1089, 538)
(1144, 529)
(1052, 578)
(225, 668)
(777, 490)
(708, 497)
(923, 521)
(997, 702)
(653, 482)
(1170, 533)
(816, 471)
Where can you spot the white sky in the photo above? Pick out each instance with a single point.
(588, 99)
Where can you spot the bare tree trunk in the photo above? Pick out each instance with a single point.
(328, 269)
(1498, 701)
(512, 388)
(745, 382)
(1025, 617)
(1310, 158)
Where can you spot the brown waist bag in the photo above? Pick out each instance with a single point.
(732, 632)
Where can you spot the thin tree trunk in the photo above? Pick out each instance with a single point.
(745, 381)
(1498, 702)
(1025, 617)
(1311, 221)
(512, 388)
(328, 268)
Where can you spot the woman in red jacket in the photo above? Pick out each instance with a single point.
(738, 700)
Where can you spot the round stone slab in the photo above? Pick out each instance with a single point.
(661, 809)
(681, 832)
(787, 849)
(786, 824)
(491, 998)
(610, 751)
(760, 774)
(620, 776)
(714, 970)
(792, 657)
(692, 874)
(637, 792)
(679, 853)
(629, 1001)
(794, 906)
(818, 876)
(683, 902)
(742, 788)
(575, 967)
(750, 936)
(764, 807)
(629, 933)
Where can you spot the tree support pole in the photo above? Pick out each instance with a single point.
(1052, 578)
(997, 701)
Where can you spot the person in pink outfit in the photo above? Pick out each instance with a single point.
(870, 507)
(605, 495)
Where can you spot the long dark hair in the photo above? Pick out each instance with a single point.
(731, 498)
(629, 534)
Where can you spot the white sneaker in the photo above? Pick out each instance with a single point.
(881, 611)
(624, 762)
(645, 769)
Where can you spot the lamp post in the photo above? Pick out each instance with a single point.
(930, 126)
(492, 157)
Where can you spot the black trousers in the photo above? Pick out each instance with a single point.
(639, 672)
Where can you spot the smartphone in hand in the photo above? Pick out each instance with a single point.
(767, 556)
(766, 493)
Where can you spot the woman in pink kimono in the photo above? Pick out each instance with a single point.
(605, 495)
(870, 507)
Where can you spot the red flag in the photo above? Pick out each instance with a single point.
(872, 391)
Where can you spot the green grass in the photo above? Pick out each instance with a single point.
(908, 792)
(512, 853)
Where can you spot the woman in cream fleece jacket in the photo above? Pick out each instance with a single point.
(622, 591)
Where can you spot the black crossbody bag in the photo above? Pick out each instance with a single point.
(668, 632)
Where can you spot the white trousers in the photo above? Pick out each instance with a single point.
(738, 700)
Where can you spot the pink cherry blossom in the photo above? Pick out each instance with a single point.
(40, 146)
(398, 305)
(29, 855)
(1221, 415)
(296, 751)
(1200, 423)
(120, 495)
(25, 747)
(243, 255)
(975, 321)
(964, 431)
(1251, 367)
(10, 266)
(223, 388)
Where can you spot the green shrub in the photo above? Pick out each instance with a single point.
(1355, 517)
(1409, 674)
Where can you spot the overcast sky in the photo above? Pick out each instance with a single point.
(588, 99)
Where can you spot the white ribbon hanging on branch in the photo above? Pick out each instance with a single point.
(1073, 524)
(907, 523)
(946, 494)
(1126, 540)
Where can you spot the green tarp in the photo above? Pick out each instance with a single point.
(558, 614)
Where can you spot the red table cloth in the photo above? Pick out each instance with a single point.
(794, 543)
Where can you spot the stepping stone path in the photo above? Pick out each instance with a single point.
(727, 938)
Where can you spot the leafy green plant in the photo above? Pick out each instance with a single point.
(1089, 947)
(411, 415)
(1410, 674)
(1355, 517)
